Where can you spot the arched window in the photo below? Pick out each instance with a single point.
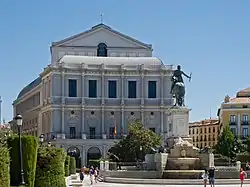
(102, 50)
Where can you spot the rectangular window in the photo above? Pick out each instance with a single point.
(233, 118)
(131, 89)
(112, 89)
(151, 89)
(245, 132)
(92, 133)
(72, 88)
(245, 118)
(233, 131)
(92, 89)
(72, 132)
(111, 132)
(152, 129)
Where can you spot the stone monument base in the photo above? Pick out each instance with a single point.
(170, 141)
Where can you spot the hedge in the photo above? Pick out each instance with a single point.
(66, 166)
(4, 167)
(29, 153)
(243, 157)
(72, 165)
(50, 167)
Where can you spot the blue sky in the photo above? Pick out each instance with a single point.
(208, 38)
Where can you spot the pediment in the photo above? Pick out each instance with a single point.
(102, 34)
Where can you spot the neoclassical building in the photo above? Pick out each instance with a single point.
(97, 83)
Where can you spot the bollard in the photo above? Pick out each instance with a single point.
(238, 165)
(106, 165)
(101, 166)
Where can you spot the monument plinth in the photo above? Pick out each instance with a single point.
(178, 126)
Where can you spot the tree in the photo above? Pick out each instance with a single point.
(5, 132)
(136, 144)
(225, 145)
(248, 144)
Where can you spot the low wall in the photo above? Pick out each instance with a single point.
(133, 174)
(228, 174)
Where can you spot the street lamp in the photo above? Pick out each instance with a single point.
(19, 122)
(41, 139)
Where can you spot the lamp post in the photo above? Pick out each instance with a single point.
(19, 122)
(41, 138)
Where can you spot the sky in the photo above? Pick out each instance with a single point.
(208, 38)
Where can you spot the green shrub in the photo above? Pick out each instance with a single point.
(29, 152)
(243, 157)
(50, 167)
(72, 165)
(4, 167)
(66, 165)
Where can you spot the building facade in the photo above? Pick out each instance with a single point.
(98, 82)
(235, 112)
(205, 133)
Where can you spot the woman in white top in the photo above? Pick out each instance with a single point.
(205, 177)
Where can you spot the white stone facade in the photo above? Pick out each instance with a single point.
(108, 93)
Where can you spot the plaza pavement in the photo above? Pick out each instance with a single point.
(150, 185)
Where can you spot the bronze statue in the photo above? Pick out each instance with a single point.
(178, 87)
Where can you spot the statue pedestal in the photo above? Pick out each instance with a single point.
(179, 126)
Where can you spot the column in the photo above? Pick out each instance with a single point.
(103, 124)
(83, 156)
(122, 84)
(82, 90)
(162, 88)
(42, 93)
(62, 104)
(142, 95)
(123, 122)
(103, 84)
(142, 115)
(162, 121)
(62, 127)
(239, 125)
(83, 124)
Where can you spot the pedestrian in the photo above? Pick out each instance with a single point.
(205, 177)
(211, 172)
(243, 175)
(91, 174)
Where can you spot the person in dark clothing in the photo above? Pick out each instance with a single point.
(211, 172)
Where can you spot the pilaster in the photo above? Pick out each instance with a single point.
(83, 81)
(123, 121)
(122, 84)
(62, 126)
(162, 88)
(103, 84)
(142, 85)
(83, 123)
(104, 136)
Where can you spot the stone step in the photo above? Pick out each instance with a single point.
(75, 181)
(76, 184)
(73, 176)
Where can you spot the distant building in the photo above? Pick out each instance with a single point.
(204, 133)
(235, 112)
(97, 83)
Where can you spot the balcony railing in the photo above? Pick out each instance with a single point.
(244, 122)
(232, 123)
(75, 136)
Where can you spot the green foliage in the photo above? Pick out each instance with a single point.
(5, 132)
(243, 157)
(225, 145)
(29, 153)
(248, 144)
(135, 145)
(50, 167)
(66, 166)
(4, 167)
(72, 165)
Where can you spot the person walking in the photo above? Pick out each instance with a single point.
(91, 175)
(211, 172)
(205, 177)
(243, 175)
